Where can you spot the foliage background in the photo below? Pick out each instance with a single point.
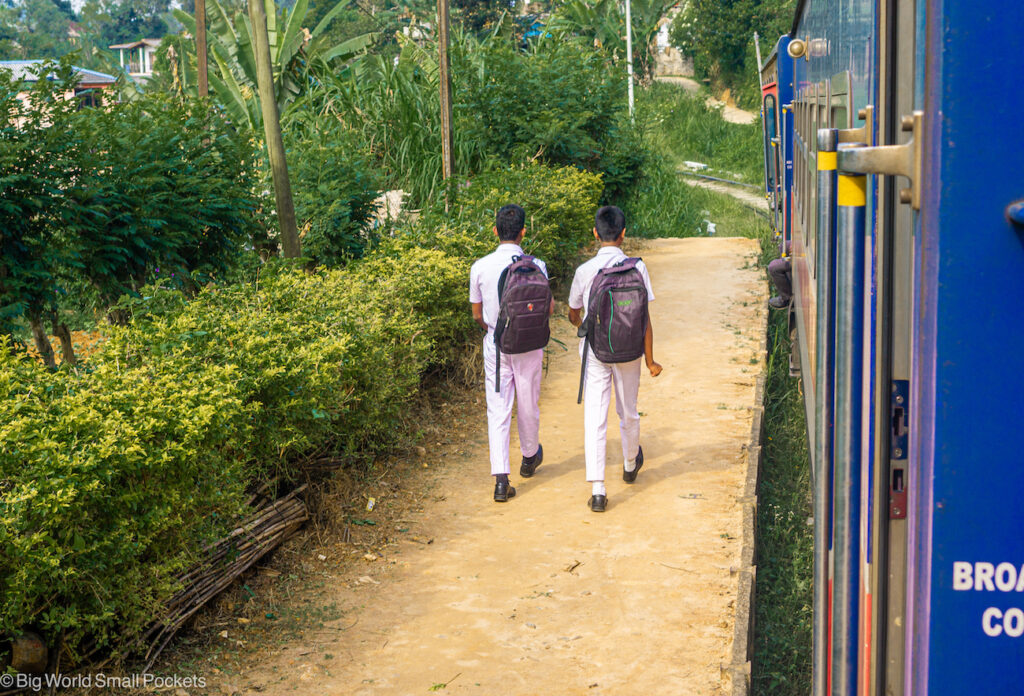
(719, 36)
(149, 221)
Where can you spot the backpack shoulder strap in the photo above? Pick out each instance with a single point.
(501, 281)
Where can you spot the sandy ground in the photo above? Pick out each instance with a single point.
(730, 112)
(541, 595)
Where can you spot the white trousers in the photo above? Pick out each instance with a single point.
(597, 392)
(520, 382)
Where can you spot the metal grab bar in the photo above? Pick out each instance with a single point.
(851, 200)
(821, 468)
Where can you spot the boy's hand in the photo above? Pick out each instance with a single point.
(655, 368)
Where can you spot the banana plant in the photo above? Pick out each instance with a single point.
(294, 50)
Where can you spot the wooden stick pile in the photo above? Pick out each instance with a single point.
(268, 526)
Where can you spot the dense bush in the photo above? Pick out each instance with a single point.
(35, 167)
(559, 103)
(112, 479)
(95, 200)
(560, 203)
(161, 184)
(109, 482)
(334, 186)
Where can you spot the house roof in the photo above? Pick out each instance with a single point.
(152, 43)
(27, 71)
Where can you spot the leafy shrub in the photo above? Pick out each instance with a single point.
(37, 153)
(109, 482)
(560, 204)
(331, 356)
(559, 104)
(335, 186)
(167, 185)
(95, 200)
(113, 478)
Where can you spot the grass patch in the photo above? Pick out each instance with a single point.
(684, 127)
(679, 126)
(782, 644)
(664, 205)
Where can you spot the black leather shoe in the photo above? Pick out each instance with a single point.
(630, 476)
(530, 464)
(503, 491)
(598, 503)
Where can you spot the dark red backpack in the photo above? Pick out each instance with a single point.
(524, 305)
(616, 316)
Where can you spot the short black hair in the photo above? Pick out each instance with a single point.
(510, 221)
(609, 223)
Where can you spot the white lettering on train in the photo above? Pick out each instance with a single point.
(983, 573)
(1006, 573)
(995, 622)
(983, 576)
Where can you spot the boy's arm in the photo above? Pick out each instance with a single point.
(478, 314)
(576, 316)
(654, 367)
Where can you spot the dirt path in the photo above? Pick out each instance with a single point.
(542, 596)
(730, 112)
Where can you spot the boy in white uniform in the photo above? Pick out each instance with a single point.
(520, 373)
(610, 231)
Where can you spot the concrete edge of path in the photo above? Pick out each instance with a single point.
(743, 644)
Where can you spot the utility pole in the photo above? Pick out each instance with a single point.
(272, 128)
(444, 78)
(201, 59)
(757, 50)
(629, 56)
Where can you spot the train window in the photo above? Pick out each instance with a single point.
(839, 101)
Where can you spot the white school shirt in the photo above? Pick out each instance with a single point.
(579, 294)
(484, 276)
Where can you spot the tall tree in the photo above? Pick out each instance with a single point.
(719, 36)
(293, 49)
(34, 29)
(119, 21)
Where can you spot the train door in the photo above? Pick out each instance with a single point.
(884, 643)
(966, 604)
(772, 155)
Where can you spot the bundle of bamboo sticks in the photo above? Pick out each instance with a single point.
(271, 523)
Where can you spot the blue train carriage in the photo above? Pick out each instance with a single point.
(776, 91)
(907, 238)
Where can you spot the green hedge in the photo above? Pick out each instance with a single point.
(109, 480)
(559, 202)
(114, 475)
